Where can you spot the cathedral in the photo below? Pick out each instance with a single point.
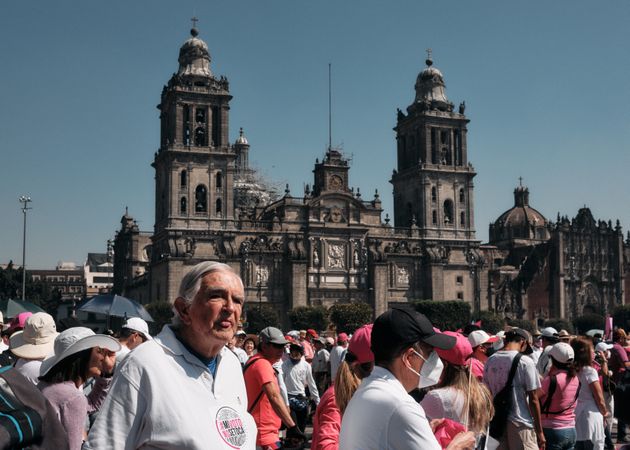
(331, 244)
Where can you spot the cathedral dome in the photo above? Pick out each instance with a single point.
(241, 139)
(431, 89)
(521, 222)
(194, 57)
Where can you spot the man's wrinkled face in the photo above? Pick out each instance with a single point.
(215, 311)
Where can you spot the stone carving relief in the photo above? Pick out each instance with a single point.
(438, 254)
(336, 256)
(402, 276)
(262, 275)
(335, 215)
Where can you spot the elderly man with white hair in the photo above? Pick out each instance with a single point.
(184, 388)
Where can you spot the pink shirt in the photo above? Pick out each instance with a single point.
(563, 398)
(477, 368)
(326, 423)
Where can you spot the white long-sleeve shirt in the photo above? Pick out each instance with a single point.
(297, 377)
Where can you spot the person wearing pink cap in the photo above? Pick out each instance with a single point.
(357, 364)
(336, 354)
(459, 396)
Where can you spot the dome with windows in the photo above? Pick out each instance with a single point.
(194, 57)
(520, 223)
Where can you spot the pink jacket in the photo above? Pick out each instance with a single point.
(326, 423)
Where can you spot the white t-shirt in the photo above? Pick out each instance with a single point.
(444, 403)
(336, 356)
(297, 376)
(29, 368)
(163, 397)
(526, 379)
(382, 416)
(320, 361)
(544, 362)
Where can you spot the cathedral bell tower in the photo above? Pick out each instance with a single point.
(433, 183)
(195, 165)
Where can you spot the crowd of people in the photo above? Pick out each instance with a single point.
(397, 383)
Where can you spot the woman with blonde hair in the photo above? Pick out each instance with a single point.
(357, 364)
(459, 396)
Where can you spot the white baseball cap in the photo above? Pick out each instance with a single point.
(602, 347)
(478, 337)
(139, 325)
(562, 352)
(549, 332)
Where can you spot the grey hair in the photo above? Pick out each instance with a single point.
(191, 283)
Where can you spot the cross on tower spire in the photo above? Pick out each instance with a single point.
(429, 60)
(520, 181)
(194, 21)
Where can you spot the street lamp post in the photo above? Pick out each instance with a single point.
(25, 200)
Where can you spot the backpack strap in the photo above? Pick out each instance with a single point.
(553, 383)
(245, 367)
(548, 400)
(515, 362)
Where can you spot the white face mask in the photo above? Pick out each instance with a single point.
(431, 370)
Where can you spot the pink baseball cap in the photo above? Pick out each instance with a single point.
(18, 322)
(459, 355)
(342, 337)
(360, 344)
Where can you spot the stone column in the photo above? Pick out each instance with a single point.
(379, 288)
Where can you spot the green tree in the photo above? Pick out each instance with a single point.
(522, 323)
(621, 317)
(162, 313)
(560, 324)
(304, 317)
(445, 315)
(261, 317)
(347, 317)
(490, 321)
(589, 321)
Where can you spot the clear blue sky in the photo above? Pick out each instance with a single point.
(546, 84)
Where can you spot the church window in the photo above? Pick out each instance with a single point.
(434, 147)
(459, 279)
(200, 116)
(458, 148)
(434, 217)
(183, 179)
(409, 212)
(462, 218)
(219, 207)
(201, 199)
(219, 180)
(434, 194)
(461, 195)
(448, 212)
(183, 206)
(186, 131)
(216, 126)
(200, 137)
(460, 296)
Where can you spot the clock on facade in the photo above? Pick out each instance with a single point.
(335, 183)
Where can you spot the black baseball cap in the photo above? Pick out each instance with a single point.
(399, 326)
(520, 333)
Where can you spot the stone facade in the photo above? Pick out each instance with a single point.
(330, 244)
(541, 269)
(325, 246)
